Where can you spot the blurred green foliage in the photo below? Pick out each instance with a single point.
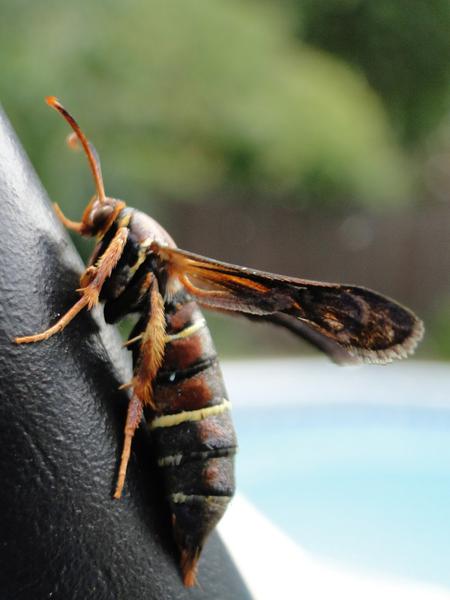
(190, 100)
(401, 46)
(439, 338)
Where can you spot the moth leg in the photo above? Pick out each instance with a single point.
(134, 416)
(125, 386)
(132, 340)
(95, 278)
(147, 364)
(87, 276)
(151, 350)
(68, 223)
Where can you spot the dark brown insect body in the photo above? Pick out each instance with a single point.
(195, 439)
(136, 268)
(190, 419)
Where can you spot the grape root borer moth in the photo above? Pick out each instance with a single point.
(137, 268)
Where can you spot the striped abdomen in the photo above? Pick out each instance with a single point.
(193, 432)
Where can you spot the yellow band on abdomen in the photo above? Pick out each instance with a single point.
(190, 415)
(185, 332)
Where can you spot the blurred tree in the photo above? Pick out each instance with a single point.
(194, 99)
(439, 331)
(402, 47)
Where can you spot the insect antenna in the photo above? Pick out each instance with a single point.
(89, 149)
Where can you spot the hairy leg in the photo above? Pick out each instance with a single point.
(89, 293)
(151, 353)
(134, 416)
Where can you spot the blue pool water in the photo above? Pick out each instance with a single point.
(354, 465)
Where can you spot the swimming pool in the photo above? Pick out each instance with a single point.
(353, 464)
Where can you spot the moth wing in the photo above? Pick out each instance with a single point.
(347, 322)
(336, 352)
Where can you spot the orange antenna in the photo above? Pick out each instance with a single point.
(91, 154)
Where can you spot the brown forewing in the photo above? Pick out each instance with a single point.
(345, 321)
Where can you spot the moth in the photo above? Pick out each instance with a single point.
(137, 268)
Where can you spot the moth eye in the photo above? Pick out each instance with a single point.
(100, 215)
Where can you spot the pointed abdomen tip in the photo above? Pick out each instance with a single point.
(188, 565)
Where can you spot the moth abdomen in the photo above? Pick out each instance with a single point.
(198, 473)
(193, 433)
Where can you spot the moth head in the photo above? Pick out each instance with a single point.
(99, 215)
(101, 210)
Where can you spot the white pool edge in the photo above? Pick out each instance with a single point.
(274, 567)
(306, 381)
